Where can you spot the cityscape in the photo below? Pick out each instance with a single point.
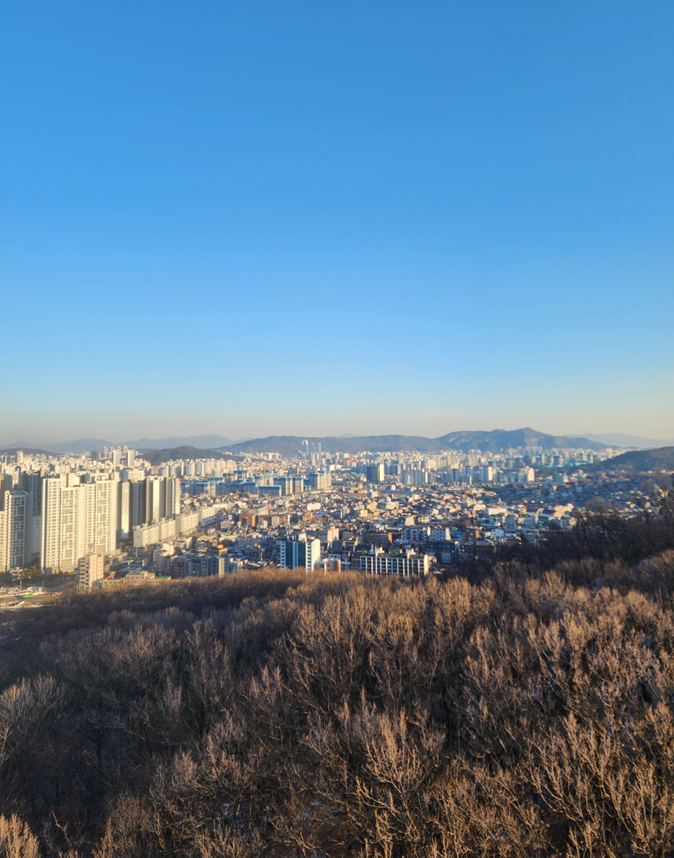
(336, 429)
(116, 517)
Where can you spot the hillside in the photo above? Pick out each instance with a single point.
(660, 459)
(289, 445)
(499, 440)
(201, 442)
(158, 457)
(33, 451)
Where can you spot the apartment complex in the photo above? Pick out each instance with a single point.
(56, 515)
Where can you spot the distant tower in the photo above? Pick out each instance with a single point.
(375, 473)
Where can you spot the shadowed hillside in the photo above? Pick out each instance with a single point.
(659, 459)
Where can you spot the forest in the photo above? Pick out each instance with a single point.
(524, 708)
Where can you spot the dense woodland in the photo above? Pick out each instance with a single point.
(521, 709)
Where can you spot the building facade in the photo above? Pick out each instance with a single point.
(300, 553)
(404, 563)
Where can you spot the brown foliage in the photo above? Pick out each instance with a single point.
(16, 840)
(527, 715)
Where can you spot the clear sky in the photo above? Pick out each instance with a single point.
(316, 218)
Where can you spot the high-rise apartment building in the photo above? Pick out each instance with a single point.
(124, 509)
(172, 497)
(375, 473)
(285, 483)
(155, 499)
(50, 552)
(137, 503)
(4, 541)
(299, 553)
(20, 529)
(320, 480)
(78, 519)
(18, 508)
(55, 516)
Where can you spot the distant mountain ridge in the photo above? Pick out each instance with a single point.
(86, 445)
(203, 442)
(81, 445)
(36, 451)
(288, 445)
(619, 439)
(498, 440)
(504, 439)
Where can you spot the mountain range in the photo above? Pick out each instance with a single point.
(497, 440)
(619, 439)
(86, 445)
(490, 442)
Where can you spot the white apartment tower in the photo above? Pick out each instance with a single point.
(172, 497)
(78, 520)
(4, 542)
(155, 499)
(124, 509)
(50, 553)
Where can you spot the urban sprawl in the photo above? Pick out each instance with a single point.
(114, 519)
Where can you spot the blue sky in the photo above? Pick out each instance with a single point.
(313, 218)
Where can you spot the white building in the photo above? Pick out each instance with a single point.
(405, 564)
(77, 519)
(90, 571)
(299, 553)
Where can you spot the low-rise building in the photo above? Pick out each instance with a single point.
(405, 563)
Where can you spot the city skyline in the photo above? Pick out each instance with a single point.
(368, 220)
(57, 513)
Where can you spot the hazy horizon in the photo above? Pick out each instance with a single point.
(44, 441)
